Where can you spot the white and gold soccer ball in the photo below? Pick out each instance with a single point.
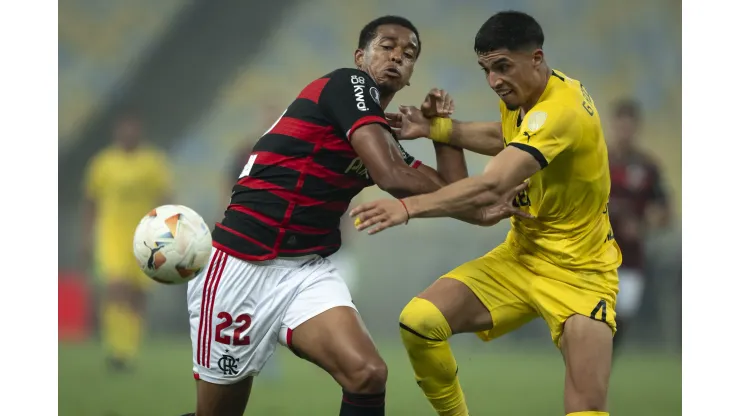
(172, 244)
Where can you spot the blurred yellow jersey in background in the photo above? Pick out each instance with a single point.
(124, 185)
(569, 196)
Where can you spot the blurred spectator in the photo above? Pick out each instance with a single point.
(123, 182)
(637, 204)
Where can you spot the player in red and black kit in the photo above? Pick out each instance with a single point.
(637, 203)
(269, 281)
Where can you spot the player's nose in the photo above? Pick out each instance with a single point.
(397, 55)
(494, 81)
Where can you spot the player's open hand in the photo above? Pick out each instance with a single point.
(408, 123)
(504, 208)
(382, 214)
(438, 103)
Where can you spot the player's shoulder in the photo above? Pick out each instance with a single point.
(563, 100)
(352, 76)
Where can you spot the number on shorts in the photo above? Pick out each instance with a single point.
(244, 319)
(601, 306)
(246, 322)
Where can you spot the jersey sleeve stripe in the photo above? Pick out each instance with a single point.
(532, 151)
(363, 121)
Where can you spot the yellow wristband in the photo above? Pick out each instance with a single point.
(440, 129)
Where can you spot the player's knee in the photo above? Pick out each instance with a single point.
(422, 319)
(368, 377)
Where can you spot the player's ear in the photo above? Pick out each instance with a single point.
(359, 58)
(538, 56)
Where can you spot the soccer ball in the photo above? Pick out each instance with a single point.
(172, 244)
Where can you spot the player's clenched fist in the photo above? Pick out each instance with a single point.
(409, 123)
(438, 103)
(383, 213)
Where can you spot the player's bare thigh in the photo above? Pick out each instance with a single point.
(586, 345)
(223, 399)
(485, 295)
(337, 341)
(579, 310)
(461, 308)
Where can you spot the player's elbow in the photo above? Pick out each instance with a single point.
(393, 182)
(396, 189)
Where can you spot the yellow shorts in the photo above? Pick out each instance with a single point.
(517, 287)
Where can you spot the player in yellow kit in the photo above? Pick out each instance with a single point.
(559, 265)
(123, 182)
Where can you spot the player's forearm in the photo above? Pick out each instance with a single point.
(452, 167)
(461, 198)
(403, 182)
(480, 137)
(451, 163)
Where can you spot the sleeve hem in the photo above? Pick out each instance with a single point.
(532, 151)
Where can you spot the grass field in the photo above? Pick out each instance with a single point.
(498, 381)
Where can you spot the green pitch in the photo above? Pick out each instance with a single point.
(497, 381)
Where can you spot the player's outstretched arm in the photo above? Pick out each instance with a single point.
(492, 192)
(451, 167)
(482, 137)
(505, 172)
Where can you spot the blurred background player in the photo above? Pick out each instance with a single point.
(123, 182)
(637, 206)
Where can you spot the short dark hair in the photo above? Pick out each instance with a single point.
(627, 107)
(368, 33)
(510, 30)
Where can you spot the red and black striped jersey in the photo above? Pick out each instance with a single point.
(635, 184)
(303, 172)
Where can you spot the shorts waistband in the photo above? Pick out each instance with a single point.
(288, 261)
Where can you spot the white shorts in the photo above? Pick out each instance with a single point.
(240, 310)
(631, 286)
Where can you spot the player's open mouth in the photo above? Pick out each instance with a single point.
(504, 94)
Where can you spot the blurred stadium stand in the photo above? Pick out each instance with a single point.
(202, 72)
(99, 41)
